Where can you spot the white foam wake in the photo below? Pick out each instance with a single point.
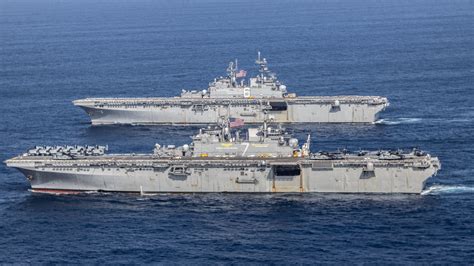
(444, 189)
(398, 121)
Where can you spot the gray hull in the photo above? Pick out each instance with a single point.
(145, 174)
(349, 109)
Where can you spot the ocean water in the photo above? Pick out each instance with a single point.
(419, 54)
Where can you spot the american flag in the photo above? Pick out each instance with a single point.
(236, 122)
(242, 73)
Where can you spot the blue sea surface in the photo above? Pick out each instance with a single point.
(419, 54)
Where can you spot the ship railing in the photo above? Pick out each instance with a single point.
(157, 102)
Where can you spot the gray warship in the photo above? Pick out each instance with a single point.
(224, 158)
(232, 96)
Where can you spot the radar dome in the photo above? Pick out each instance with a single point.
(293, 143)
(185, 147)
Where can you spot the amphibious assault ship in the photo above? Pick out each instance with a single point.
(225, 159)
(232, 96)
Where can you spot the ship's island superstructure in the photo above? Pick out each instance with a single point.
(226, 159)
(262, 97)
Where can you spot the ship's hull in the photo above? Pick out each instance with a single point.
(229, 175)
(343, 109)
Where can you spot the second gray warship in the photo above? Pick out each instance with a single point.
(224, 159)
(264, 96)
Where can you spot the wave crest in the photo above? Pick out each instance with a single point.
(398, 121)
(444, 189)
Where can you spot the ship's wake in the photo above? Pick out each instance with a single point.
(445, 189)
(397, 121)
(413, 120)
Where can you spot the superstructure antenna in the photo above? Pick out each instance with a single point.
(231, 72)
(308, 141)
(263, 66)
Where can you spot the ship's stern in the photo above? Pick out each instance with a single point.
(379, 105)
